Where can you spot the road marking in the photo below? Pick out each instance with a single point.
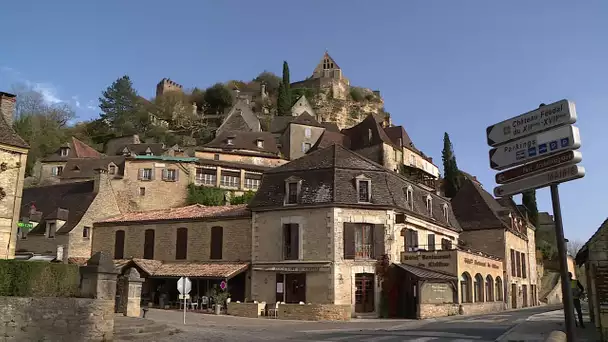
(423, 339)
(378, 338)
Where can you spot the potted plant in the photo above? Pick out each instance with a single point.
(219, 297)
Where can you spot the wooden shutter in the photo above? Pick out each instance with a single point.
(119, 244)
(152, 173)
(430, 242)
(217, 237)
(378, 238)
(295, 241)
(349, 240)
(149, 244)
(181, 244)
(140, 174)
(414, 238)
(165, 172)
(176, 174)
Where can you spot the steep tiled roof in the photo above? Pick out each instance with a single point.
(73, 197)
(330, 126)
(8, 136)
(424, 273)
(328, 177)
(240, 118)
(244, 141)
(329, 138)
(191, 212)
(77, 149)
(583, 253)
(83, 168)
(475, 208)
(358, 134)
(157, 149)
(398, 132)
(280, 123)
(156, 268)
(307, 120)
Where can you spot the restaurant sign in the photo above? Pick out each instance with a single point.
(428, 260)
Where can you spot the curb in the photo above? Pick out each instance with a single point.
(502, 338)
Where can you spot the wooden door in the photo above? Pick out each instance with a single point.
(364, 292)
(513, 296)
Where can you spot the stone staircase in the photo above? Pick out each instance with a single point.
(140, 329)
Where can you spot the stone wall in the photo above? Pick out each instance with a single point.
(481, 308)
(56, 319)
(236, 242)
(251, 310)
(437, 310)
(11, 186)
(297, 139)
(241, 158)
(315, 312)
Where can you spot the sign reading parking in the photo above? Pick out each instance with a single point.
(544, 118)
(534, 147)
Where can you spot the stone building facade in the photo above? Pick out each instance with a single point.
(336, 213)
(207, 244)
(497, 227)
(253, 148)
(13, 159)
(63, 214)
(50, 168)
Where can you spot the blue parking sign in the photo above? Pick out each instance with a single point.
(542, 148)
(532, 151)
(553, 145)
(565, 142)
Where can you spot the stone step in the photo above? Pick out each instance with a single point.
(138, 329)
(151, 336)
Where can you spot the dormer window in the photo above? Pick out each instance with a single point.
(445, 212)
(64, 151)
(125, 151)
(148, 152)
(112, 169)
(292, 193)
(259, 143)
(364, 193)
(429, 205)
(230, 141)
(409, 197)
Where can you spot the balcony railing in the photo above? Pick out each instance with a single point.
(364, 251)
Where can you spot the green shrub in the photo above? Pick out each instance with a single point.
(205, 195)
(357, 94)
(38, 279)
(244, 199)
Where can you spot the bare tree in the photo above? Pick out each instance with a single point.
(573, 246)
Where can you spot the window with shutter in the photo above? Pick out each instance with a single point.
(217, 240)
(523, 265)
(513, 271)
(349, 240)
(431, 242)
(119, 244)
(378, 240)
(291, 241)
(149, 244)
(181, 244)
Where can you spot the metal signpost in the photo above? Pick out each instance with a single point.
(539, 147)
(184, 286)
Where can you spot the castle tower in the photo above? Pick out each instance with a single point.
(328, 68)
(166, 85)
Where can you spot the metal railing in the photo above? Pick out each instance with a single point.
(365, 251)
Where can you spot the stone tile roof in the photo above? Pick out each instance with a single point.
(77, 149)
(424, 273)
(244, 141)
(396, 132)
(75, 198)
(280, 123)
(307, 120)
(329, 138)
(330, 126)
(328, 178)
(358, 134)
(157, 149)
(476, 209)
(84, 168)
(8, 136)
(157, 268)
(191, 212)
(583, 253)
(240, 118)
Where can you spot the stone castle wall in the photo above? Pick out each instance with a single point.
(56, 319)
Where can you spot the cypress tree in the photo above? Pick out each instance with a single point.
(451, 174)
(283, 101)
(528, 199)
(286, 81)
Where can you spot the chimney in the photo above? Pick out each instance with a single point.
(101, 176)
(7, 107)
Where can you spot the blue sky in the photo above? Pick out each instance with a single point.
(455, 66)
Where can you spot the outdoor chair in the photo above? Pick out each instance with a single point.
(274, 312)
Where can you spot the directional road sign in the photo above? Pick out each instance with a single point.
(184, 285)
(558, 175)
(560, 159)
(535, 147)
(546, 117)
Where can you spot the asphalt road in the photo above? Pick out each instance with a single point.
(482, 328)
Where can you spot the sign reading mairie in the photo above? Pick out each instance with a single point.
(546, 117)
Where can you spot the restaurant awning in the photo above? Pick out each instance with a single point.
(426, 274)
(162, 269)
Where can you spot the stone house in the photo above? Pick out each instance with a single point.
(321, 222)
(416, 163)
(62, 216)
(302, 105)
(240, 118)
(51, 167)
(593, 258)
(254, 148)
(13, 160)
(497, 227)
(207, 244)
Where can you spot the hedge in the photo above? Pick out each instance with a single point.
(20, 278)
